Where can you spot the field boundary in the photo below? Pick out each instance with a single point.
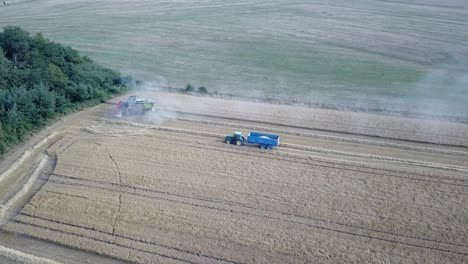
(25, 188)
(28, 153)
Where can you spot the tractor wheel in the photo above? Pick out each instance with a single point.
(228, 141)
(239, 142)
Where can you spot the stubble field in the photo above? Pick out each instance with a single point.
(166, 188)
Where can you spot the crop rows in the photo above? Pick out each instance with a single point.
(163, 195)
(295, 117)
(172, 191)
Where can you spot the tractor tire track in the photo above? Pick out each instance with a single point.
(346, 195)
(340, 153)
(256, 152)
(340, 131)
(202, 258)
(325, 163)
(278, 216)
(78, 236)
(332, 164)
(328, 137)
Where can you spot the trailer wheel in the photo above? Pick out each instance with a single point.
(262, 146)
(269, 147)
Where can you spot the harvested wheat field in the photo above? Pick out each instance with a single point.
(165, 188)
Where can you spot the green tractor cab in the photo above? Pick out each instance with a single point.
(237, 138)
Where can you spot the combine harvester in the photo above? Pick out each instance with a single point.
(265, 141)
(134, 106)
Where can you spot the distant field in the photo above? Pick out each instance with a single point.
(404, 55)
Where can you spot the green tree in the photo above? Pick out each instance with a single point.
(40, 79)
(189, 88)
(56, 76)
(5, 67)
(202, 89)
(3, 142)
(15, 42)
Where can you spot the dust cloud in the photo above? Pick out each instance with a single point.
(442, 92)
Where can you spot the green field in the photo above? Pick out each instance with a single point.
(378, 54)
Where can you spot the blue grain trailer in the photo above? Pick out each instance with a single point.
(265, 141)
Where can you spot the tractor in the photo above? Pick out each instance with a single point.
(264, 140)
(237, 138)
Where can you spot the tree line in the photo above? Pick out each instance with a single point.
(41, 79)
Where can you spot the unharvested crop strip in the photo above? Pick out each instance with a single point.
(176, 198)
